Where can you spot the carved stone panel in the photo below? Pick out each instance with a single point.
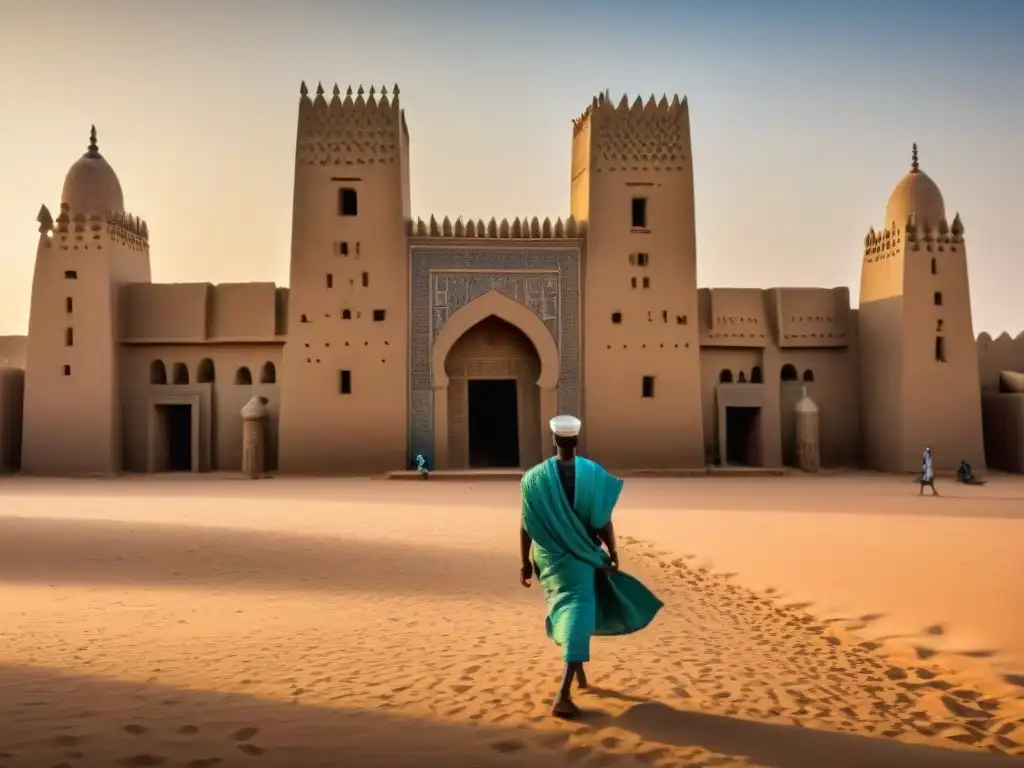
(445, 279)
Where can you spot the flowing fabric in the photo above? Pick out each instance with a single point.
(927, 470)
(584, 596)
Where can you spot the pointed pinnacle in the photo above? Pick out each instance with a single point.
(337, 90)
(303, 90)
(360, 91)
(383, 90)
(348, 91)
(372, 90)
(395, 90)
(319, 89)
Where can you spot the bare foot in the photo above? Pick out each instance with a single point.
(581, 678)
(564, 708)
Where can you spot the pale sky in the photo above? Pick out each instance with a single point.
(803, 114)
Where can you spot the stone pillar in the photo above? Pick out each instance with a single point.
(548, 411)
(808, 446)
(254, 437)
(440, 459)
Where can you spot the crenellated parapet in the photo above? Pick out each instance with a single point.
(651, 135)
(517, 229)
(1003, 353)
(921, 235)
(69, 228)
(879, 246)
(360, 128)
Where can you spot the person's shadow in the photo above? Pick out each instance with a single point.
(781, 746)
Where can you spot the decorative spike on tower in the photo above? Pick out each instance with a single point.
(94, 150)
(915, 166)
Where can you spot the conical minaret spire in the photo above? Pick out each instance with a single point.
(94, 150)
(915, 166)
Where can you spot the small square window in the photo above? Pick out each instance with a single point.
(379, 315)
(616, 317)
(938, 298)
(641, 259)
(70, 274)
(647, 282)
(639, 213)
(343, 249)
(348, 202)
(67, 370)
(680, 319)
(345, 385)
(648, 386)
(632, 282)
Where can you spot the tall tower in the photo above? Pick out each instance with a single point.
(632, 183)
(918, 363)
(72, 417)
(344, 401)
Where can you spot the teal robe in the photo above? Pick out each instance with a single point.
(584, 596)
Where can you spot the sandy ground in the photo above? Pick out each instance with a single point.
(809, 623)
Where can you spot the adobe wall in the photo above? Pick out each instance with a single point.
(239, 371)
(348, 303)
(1004, 353)
(12, 351)
(12, 390)
(196, 312)
(638, 311)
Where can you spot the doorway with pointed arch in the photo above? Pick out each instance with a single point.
(495, 370)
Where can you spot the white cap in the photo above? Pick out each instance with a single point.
(566, 426)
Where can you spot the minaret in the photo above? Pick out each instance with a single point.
(918, 363)
(72, 411)
(632, 184)
(344, 401)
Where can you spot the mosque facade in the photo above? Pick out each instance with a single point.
(460, 339)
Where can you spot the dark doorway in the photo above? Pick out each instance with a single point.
(493, 423)
(176, 424)
(743, 436)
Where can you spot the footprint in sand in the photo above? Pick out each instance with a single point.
(244, 734)
(251, 749)
(188, 730)
(135, 730)
(507, 746)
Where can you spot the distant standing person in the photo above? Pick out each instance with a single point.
(927, 472)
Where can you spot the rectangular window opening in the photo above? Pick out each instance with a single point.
(616, 317)
(639, 213)
(940, 349)
(348, 202)
(680, 319)
(632, 282)
(648, 386)
(938, 298)
(345, 385)
(378, 315)
(69, 337)
(641, 259)
(70, 274)
(69, 305)
(647, 282)
(330, 280)
(935, 267)
(67, 370)
(664, 315)
(366, 279)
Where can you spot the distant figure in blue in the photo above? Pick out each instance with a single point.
(927, 472)
(567, 516)
(421, 466)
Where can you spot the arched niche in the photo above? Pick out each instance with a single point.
(268, 374)
(788, 372)
(205, 373)
(243, 375)
(157, 372)
(512, 312)
(725, 376)
(180, 373)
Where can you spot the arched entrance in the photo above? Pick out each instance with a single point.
(495, 371)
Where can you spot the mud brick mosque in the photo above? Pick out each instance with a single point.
(460, 339)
